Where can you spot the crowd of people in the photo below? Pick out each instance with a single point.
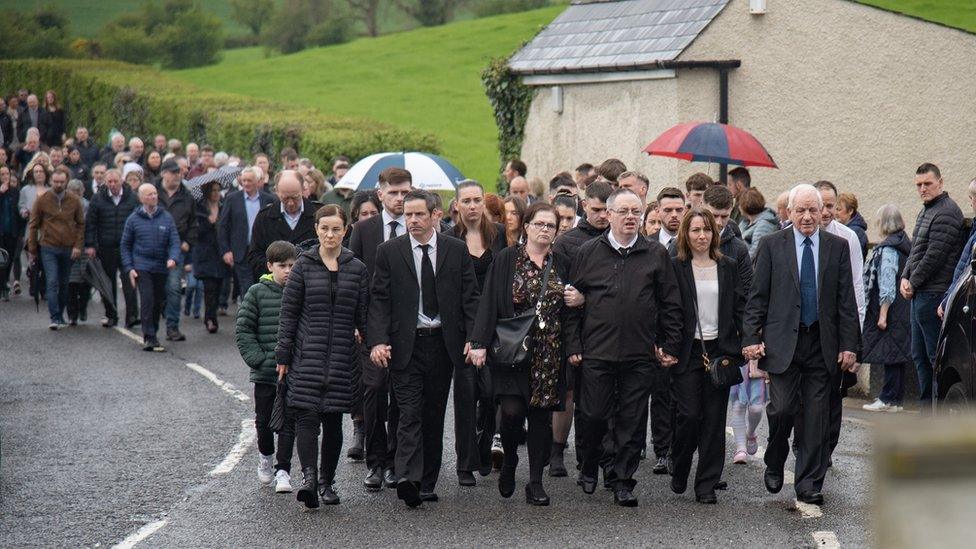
(585, 304)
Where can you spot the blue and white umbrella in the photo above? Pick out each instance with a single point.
(430, 172)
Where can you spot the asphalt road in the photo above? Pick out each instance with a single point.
(100, 439)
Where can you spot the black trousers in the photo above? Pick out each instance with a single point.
(8, 242)
(660, 411)
(836, 412)
(307, 424)
(111, 259)
(380, 415)
(614, 391)
(421, 393)
(699, 424)
(515, 411)
(799, 399)
(472, 430)
(264, 395)
(152, 300)
(211, 297)
(79, 293)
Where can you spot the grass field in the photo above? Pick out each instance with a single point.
(427, 79)
(954, 13)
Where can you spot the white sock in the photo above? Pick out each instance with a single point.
(738, 421)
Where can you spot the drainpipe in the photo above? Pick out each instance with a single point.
(723, 114)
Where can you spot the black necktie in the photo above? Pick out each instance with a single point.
(625, 251)
(393, 229)
(427, 283)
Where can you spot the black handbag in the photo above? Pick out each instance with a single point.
(512, 344)
(277, 421)
(723, 370)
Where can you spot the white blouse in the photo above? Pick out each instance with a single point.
(706, 287)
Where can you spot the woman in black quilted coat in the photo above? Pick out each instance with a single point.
(322, 309)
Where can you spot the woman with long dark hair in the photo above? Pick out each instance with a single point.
(714, 299)
(208, 265)
(51, 121)
(514, 214)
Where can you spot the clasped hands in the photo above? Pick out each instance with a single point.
(846, 359)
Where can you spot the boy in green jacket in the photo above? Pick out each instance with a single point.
(257, 335)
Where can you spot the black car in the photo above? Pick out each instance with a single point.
(955, 361)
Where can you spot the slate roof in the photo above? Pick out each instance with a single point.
(615, 35)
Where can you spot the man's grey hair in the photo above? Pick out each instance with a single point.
(612, 199)
(221, 158)
(889, 220)
(803, 188)
(113, 171)
(76, 186)
(253, 170)
(640, 177)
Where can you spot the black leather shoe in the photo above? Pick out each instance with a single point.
(408, 492)
(588, 483)
(110, 322)
(660, 466)
(466, 478)
(557, 468)
(389, 478)
(535, 494)
(328, 494)
(506, 481)
(356, 451)
(307, 493)
(813, 498)
(679, 485)
(625, 498)
(485, 470)
(773, 480)
(721, 485)
(708, 499)
(428, 496)
(374, 481)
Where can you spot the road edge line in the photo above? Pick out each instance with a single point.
(140, 534)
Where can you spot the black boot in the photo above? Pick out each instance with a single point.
(307, 494)
(506, 481)
(556, 466)
(328, 494)
(535, 494)
(356, 451)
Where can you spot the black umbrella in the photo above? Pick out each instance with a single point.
(225, 176)
(36, 281)
(94, 274)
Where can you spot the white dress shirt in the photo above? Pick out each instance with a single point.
(857, 262)
(423, 321)
(401, 225)
(664, 237)
(292, 220)
(617, 245)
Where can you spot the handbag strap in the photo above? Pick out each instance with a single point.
(701, 334)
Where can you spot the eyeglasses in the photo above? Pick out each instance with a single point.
(624, 211)
(539, 226)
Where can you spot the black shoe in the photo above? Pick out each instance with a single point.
(609, 478)
(356, 452)
(212, 326)
(374, 480)
(429, 496)
(328, 494)
(506, 481)
(813, 498)
(557, 468)
(129, 324)
(466, 478)
(173, 334)
(147, 345)
(587, 483)
(625, 498)
(535, 494)
(485, 470)
(152, 344)
(679, 485)
(389, 478)
(307, 493)
(773, 480)
(110, 322)
(660, 466)
(708, 499)
(721, 485)
(409, 493)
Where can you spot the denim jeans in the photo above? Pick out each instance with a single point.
(925, 339)
(893, 390)
(174, 297)
(57, 270)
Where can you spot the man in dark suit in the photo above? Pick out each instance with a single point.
(380, 413)
(801, 322)
(236, 220)
(423, 305)
(290, 218)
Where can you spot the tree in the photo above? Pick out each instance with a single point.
(43, 33)
(367, 11)
(176, 33)
(429, 13)
(253, 14)
(193, 39)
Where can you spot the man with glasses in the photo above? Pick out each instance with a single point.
(632, 321)
(290, 218)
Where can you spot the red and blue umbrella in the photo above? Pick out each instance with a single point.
(711, 142)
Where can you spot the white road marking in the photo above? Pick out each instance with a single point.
(140, 534)
(808, 510)
(129, 334)
(224, 386)
(244, 441)
(826, 540)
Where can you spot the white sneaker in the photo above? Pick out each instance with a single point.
(895, 409)
(282, 482)
(877, 406)
(265, 469)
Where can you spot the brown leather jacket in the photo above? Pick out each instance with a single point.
(56, 223)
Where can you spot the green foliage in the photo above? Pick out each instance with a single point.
(337, 30)
(510, 100)
(137, 100)
(127, 43)
(429, 13)
(290, 30)
(176, 34)
(253, 14)
(194, 39)
(487, 8)
(43, 33)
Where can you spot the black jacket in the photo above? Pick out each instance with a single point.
(860, 228)
(51, 127)
(772, 314)
(736, 248)
(206, 256)
(894, 344)
(105, 221)
(568, 244)
(731, 302)
(89, 152)
(316, 332)
(270, 225)
(7, 127)
(395, 298)
(183, 209)
(481, 267)
(232, 228)
(366, 236)
(936, 242)
(632, 303)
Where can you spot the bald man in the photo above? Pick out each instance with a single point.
(519, 187)
(147, 258)
(290, 218)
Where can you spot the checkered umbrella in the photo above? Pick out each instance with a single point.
(225, 176)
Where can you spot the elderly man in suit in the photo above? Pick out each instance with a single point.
(801, 323)
(236, 221)
(424, 301)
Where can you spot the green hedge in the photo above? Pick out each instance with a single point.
(141, 101)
